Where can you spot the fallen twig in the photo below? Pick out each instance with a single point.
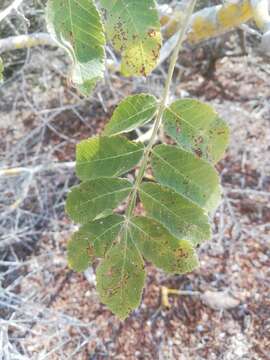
(13, 6)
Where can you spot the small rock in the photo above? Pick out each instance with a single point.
(219, 300)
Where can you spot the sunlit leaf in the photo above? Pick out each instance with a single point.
(188, 175)
(133, 111)
(161, 248)
(121, 276)
(88, 200)
(197, 128)
(134, 30)
(106, 156)
(76, 26)
(183, 218)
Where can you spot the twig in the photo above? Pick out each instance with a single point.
(25, 41)
(29, 173)
(247, 192)
(13, 6)
(36, 169)
(165, 292)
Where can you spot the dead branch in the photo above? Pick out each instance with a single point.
(25, 41)
(13, 6)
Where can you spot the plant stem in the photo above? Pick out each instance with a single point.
(161, 108)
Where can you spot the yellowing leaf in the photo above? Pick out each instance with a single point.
(134, 30)
(76, 26)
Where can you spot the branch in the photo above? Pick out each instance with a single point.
(29, 173)
(216, 20)
(25, 41)
(18, 171)
(10, 8)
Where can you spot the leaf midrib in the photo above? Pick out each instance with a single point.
(196, 185)
(104, 195)
(110, 157)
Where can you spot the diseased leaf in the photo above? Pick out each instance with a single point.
(183, 172)
(79, 251)
(161, 248)
(88, 200)
(197, 128)
(93, 240)
(106, 156)
(77, 27)
(180, 216)
(121, 276)
(133, 111)
(134, 30)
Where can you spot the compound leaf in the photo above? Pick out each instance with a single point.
(121, 276)
(88, 200)
(161, 248)
(134, 30)
(180, 216)
(188, 175)
(133, 111)
(197, 128)
(92, 240)
(77, 27)
(106, 156)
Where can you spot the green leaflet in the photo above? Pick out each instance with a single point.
(161, 248)
(133, 111)
(134, 30)
(76, 26)
(121, 276)
(93, 240)
(188, 175)
(88, 200)
(180, 216)
(106, 156)
(197, 128)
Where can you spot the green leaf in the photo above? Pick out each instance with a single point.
(88, 200)
(92, 240)
(106, 156)
(183, 172)
(134, 30)
(180, 216)
(161, 248)
(121, 276)
(76, 26)
(133, 111)
(197, 128)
